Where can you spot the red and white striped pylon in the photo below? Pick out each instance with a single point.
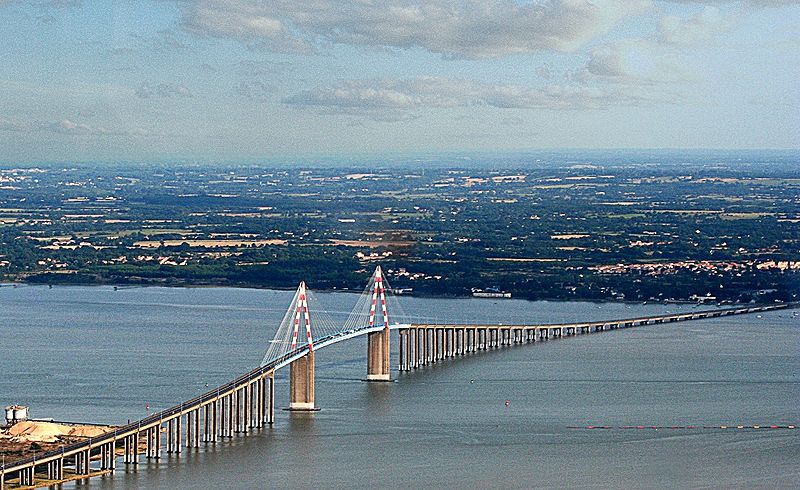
(302, 311)
(378, 290)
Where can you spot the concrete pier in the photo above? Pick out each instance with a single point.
(378, 356)
(301, 383)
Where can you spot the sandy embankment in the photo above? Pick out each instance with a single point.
(24, 438)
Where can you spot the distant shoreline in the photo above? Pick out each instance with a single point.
(353, 291)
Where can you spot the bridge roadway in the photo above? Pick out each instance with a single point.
(422, 344)
(248, 402)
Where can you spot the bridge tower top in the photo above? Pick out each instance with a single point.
(301, 313)
(378, 294)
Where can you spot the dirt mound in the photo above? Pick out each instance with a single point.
(51, 432)
(38, 431)
(87, 431)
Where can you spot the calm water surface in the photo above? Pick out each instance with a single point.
(95, 354)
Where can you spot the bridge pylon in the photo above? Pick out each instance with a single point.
(378, 346)
(301, 371)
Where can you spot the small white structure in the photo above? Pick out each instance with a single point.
(16, 413)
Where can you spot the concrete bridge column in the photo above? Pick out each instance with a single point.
(127, 451)
(231, 416)
(408, 347)
(26, 476)
(378, 355)
(215, 420)
(237, 411)
(148, 435)
(196, 428)
(423, 347)
(414, 350)
(189, 426)
(426, 346)
(271, 399)
(207, 412)
(301, 383)
(245, 408)
(55, 470)
(135, 448)
(83, 459)
(420, 357)
(110, 456)
(178, 429)
(401, 351)
(450, 342)
(170, 435)
(258, 399)
(223, 416)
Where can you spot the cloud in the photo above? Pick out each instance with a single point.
(752, 3)
(261, 69)
(463, 29)
(394, 100)
(255, 90)
(162, 90)
(65, 126)
(636, 61)
(703, 27)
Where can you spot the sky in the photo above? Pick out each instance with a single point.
(234, 79)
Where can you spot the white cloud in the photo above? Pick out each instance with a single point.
(255, 90)
(752, 3)
(391, 100)
(65, 126)
(466, 29)
(636, 61)
(703, 27)
(162, 90)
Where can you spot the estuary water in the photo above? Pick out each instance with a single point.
(96, 354)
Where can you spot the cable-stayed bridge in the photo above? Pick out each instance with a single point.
(247, 403)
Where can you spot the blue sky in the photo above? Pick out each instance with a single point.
(235, 79)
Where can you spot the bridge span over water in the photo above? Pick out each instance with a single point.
(247, 403)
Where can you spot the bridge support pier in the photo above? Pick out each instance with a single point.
(378, 356)
(271, 397)
(301, 384)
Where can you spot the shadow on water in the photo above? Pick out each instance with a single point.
(301, 422)
(379, 397)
